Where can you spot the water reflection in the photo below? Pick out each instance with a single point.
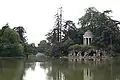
(87, 74)
(63, 70)
(34, 72)
(60, 70)
(11, 69)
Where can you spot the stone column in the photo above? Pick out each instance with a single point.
(88, 41)
(91, 40)
(85, 41)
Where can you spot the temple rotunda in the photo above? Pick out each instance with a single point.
(87, 37)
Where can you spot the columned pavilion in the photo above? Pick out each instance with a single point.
(87, 37)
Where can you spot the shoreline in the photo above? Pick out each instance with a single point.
(12, 57)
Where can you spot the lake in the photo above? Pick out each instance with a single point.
(18, 69)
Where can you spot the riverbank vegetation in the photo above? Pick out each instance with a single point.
(13, 42)
(65, 35)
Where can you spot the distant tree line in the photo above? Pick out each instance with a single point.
(65, 35)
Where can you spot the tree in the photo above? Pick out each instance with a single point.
(79, 38)
(65, 46)
(30, 49)
(10, 43)
(69, 30)
(13, 42)
(105, 29)
(21, 32)
(45, 48)
(42, 46)
(6, 26)
(54, 37)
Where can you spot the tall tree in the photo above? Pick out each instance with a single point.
(55, 35)
(21, 32)
(69, 30)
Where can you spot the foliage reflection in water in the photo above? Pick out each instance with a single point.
(11, 69)
(64, 70)
(60, 70)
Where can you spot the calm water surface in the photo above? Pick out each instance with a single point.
(60, 70)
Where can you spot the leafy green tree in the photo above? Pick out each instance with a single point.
(30, 49)
(10, 43)
(42, 46)
(69, 33)
(65, 46)
(45, 48)
(79, 38)
(21, 32)
(105, 29)
(13, 42)
(69, 30)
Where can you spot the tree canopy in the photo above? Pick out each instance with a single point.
(10, 43)
(105, 29)
(13, 42)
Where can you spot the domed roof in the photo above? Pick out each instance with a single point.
(88, 34)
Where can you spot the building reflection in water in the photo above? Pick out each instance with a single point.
(60, 70)
(66, 70)
(87, 74)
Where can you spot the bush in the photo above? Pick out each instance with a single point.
(80, 47)
(9, 50)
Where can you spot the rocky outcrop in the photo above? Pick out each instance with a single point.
(96, 53)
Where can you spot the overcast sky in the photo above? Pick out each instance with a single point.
(37, 16)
